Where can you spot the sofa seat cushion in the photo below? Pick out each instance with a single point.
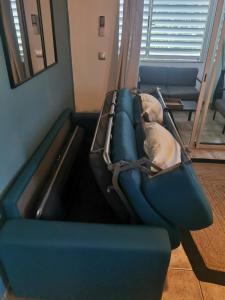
(148, 87)
(184, 92)
(131, 186)
(125, 103)
(179, 198)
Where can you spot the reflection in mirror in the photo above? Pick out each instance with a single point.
(28, 37)
(34, 34)
(48, 31)
(15, 40)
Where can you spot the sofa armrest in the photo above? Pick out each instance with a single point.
(199, 80)
(59, 260)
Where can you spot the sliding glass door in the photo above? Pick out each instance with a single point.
(209, 124)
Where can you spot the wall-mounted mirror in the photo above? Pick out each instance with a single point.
(28, 37)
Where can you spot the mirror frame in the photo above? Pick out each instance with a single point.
(5, 46)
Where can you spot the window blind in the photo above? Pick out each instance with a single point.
(17, 27)
(173, 29)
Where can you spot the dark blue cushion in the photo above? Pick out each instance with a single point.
(182, 76)
(124, 141)
(125, 103)
(153, 75)
(137, 110)
(179, 198)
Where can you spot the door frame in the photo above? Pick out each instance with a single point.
(207, 81)
(208, 97)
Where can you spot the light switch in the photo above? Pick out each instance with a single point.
(101, 30)
(101, 55)
(38, 53)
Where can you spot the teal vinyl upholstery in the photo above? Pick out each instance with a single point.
(65, 261)
(124, 142)
(124, 103)
(14, 203)
(124, 147)
(186, 205)
(174, 198)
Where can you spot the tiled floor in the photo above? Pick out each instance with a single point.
(181, 283)
(208, 154)
(212, 132)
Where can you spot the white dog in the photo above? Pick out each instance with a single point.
(152, 109)
(160, 146)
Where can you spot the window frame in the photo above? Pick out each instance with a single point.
(164, 58)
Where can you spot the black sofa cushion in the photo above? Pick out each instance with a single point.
(153, 75)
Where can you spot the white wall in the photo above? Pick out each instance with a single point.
(91, 76)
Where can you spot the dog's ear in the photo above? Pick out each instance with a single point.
(145, 117)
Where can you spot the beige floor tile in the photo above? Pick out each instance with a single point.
(179, 259)
(181, 285)
(212, 291)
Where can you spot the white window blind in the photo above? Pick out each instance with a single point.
(17, 27)
(173, 29)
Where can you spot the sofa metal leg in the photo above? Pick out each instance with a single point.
(189, 116)
(214, 115)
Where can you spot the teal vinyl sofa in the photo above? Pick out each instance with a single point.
(62, 240)
(172, 199)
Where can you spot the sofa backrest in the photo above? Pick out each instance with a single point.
(22, 195)
(182, 76)
(168, 76)
(153, 75)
